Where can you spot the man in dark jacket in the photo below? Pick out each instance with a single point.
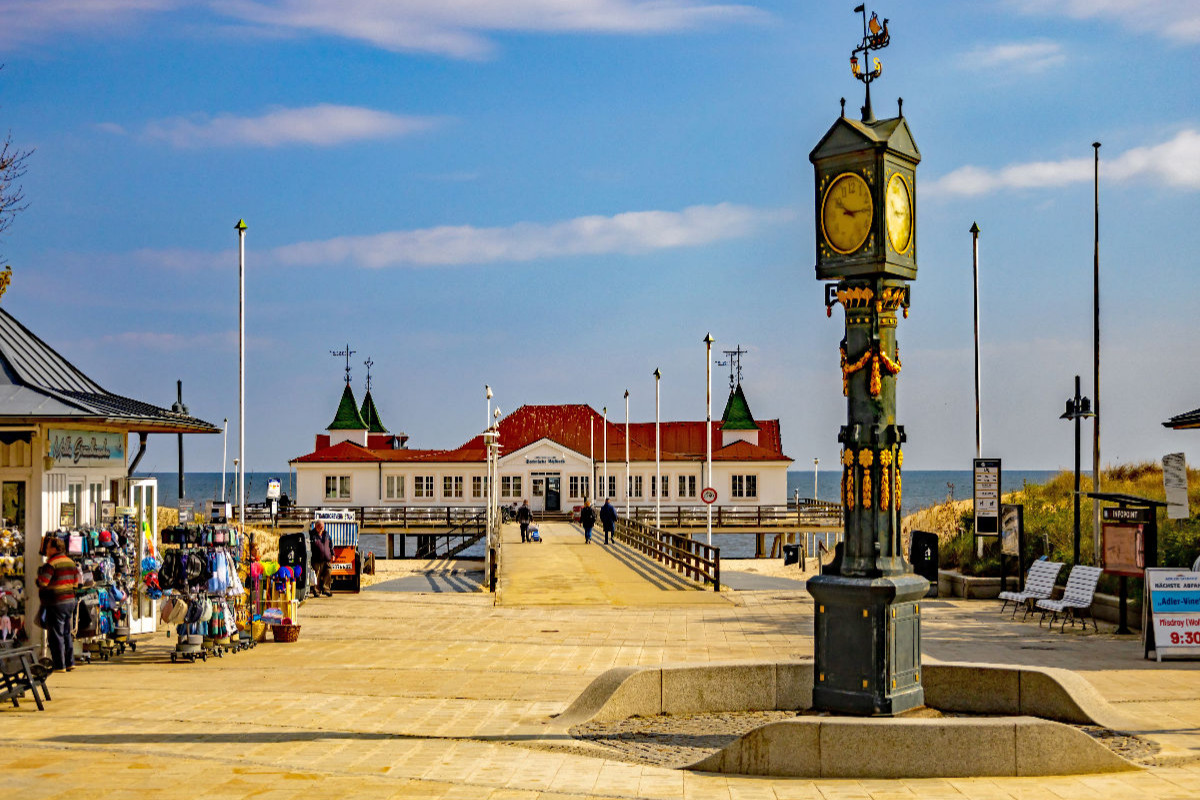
(524, 517)
(608, 519)
(587, 518)
(322, 555)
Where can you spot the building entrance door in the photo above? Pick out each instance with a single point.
(553, 493)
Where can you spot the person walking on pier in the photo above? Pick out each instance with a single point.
(524, 517)
(587, 518)
(608, 519)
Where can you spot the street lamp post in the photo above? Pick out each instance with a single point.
(1096, 352)
(657, 455)
(708, 343)
(816, 461)
(1077, 408)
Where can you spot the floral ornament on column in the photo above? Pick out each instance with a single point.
(885, 478)
(865, 459)
(848, 479)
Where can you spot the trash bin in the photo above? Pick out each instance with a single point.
(791, 554)
(923, 553)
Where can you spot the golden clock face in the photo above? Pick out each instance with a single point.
(847, 212)
(898, 212)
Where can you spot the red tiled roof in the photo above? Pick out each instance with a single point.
(340, 452)
(578, 427)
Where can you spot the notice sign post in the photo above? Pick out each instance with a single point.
(1175, 485)
(1171, 613)
(987, 499)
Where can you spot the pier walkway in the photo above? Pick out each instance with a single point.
(562, 570)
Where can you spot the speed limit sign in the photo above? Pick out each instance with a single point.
(709, 495)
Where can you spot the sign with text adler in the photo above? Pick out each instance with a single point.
(987, 497)
(1172, 602)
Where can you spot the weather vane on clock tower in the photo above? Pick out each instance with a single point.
(875, 37)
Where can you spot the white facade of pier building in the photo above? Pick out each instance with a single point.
(552, 455)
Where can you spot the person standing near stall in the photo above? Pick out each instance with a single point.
(322, 555)
(57, 579)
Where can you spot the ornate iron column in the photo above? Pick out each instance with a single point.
(868, 656)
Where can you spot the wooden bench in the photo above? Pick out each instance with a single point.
(1039, 585)
(1076, 600)
(21, 673)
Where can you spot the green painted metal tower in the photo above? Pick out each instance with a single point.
(868, 657)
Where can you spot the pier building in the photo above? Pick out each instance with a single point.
(552, 455)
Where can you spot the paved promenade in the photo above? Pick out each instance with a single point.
(407, 695)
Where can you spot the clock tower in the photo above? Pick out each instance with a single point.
(867, 631)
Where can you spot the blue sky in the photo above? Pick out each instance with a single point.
(555, 197)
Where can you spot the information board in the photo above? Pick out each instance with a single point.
(1175, 485)
(1172, 601)
(987, 497)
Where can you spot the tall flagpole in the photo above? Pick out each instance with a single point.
(591, 454)
(627, 453)
(975, 272)
(605, 454)
(657, 455)
(1096, 359)
(708, 341)
(241, 482)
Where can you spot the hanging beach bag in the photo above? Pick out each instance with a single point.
(75, 544)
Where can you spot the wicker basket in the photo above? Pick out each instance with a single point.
(285, 633)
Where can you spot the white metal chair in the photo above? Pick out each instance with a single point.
(1076, 600)
(1039, 585)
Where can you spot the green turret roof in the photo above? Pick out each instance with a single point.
(737, 416)
(348, 417)
(370, 415)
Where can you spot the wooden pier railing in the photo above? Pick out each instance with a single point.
(694, 560)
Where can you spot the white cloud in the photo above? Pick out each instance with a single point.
(1026, 57)
(25, 21)
(630, 232)
(321, 125)
(1176, 20)
(1173, 163)
(458, 28)
(455, 28)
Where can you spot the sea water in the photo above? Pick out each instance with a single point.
(922, 489)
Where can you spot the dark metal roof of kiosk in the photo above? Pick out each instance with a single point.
(39, 385)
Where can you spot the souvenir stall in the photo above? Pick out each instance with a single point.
(12, 585)
(202, 588)
(68, 452)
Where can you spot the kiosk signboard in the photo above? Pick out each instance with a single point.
(1175, 484)
(1173, 603)
(987, 497)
